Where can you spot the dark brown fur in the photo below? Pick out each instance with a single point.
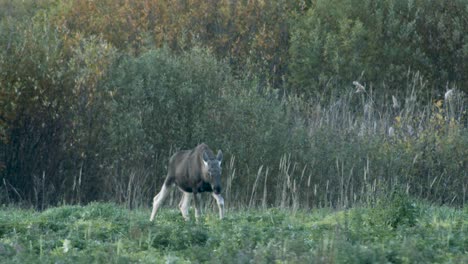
(186, 170)
(193, 171)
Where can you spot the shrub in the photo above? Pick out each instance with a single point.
(342, 41)
(53, 103)
(394, 210)
(163, 102)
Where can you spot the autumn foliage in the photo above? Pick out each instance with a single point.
(249, 34)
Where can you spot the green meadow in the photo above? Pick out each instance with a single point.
(397, 231)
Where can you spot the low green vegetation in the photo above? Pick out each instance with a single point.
(330, 101)
(397, 230)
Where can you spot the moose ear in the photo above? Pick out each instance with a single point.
(219, 157)
(205, 159)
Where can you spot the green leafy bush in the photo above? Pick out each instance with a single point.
(395, 210)
(162, 102)
(53, 103)
(342, 41)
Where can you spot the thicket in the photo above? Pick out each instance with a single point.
(96, 96)
(376, 42)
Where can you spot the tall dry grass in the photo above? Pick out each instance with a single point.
(360, 147)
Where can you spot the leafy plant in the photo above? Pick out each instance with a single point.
(394, 211)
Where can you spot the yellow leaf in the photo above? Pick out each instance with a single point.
(398, 119)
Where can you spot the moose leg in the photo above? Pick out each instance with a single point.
(158, 199)
(197, 206)
(220, 202)
(184, 205)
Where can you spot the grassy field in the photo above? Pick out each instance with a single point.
(399, 231)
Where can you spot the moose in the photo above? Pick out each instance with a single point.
(193, 171)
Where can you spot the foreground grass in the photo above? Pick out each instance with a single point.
(107, 233)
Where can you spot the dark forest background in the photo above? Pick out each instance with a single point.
(314, 103)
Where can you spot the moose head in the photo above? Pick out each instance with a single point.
(213, 170)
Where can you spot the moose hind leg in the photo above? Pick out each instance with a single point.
(220, 202)
(184, 205)
(158, 200)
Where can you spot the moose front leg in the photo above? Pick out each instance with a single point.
(184, 205)
(220, 202)
(196, 202)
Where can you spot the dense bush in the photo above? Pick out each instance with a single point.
(162, 102)
(394, 210)
(52, 104)
(376, 42)
(251, 35)
(319, 42)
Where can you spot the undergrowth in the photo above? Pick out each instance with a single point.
(396, 230)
